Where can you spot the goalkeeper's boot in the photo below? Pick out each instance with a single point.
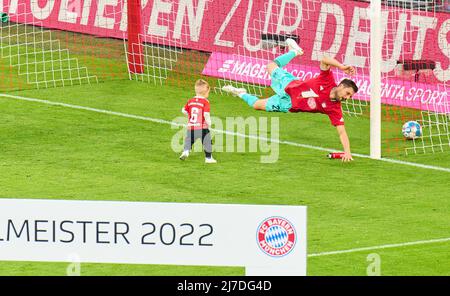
(184, 155)
(293, 46)
(210, 160)
(234, 90)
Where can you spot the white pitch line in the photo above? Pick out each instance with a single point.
(162, 121)
(423, 242)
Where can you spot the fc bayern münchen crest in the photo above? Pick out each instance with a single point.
(276, 236)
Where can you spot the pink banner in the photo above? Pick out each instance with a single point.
(339, 28)
(394, 92)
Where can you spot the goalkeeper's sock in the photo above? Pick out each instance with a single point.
(249, 99)
(284, 59)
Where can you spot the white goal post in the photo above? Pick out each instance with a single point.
(375, 78)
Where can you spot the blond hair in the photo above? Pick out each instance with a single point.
(201, 87)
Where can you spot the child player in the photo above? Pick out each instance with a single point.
(197, 109)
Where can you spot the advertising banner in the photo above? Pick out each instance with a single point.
(267, 240)
(430, 97)
(339, 27)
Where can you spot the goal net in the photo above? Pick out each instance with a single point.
(56, 43)
(231, 42)
(415, 75)
(60, 43)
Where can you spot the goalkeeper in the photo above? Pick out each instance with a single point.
(316, 95)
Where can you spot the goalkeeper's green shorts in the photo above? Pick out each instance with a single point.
(281, 101)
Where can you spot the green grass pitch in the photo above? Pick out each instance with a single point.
(61, 153)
